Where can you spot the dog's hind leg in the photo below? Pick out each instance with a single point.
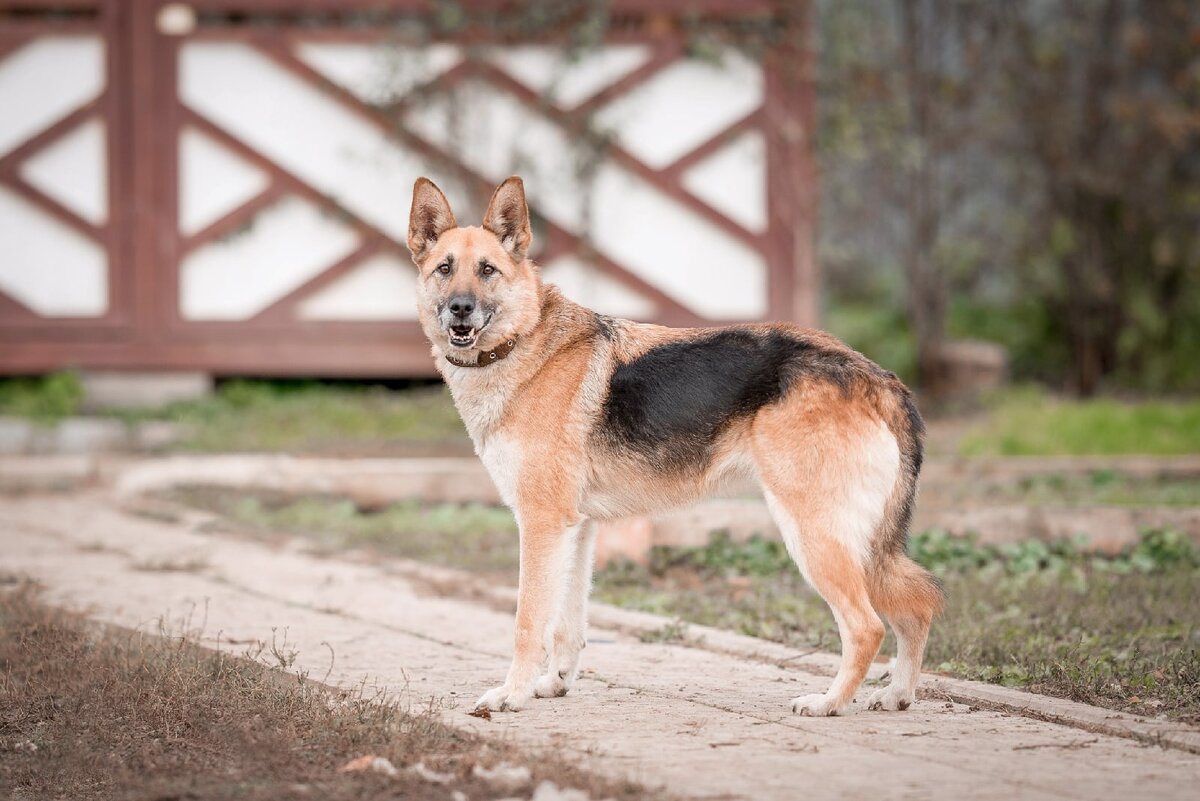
(570, 631)
(909, 597)
(840, 578)
(828, 467)
(906, 594)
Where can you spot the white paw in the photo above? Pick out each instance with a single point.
(817, 705)
(503, 699)
(551, 685)
(891, 699)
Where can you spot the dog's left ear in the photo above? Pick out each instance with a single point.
(508, 218)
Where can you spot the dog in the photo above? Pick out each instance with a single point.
(580, 417)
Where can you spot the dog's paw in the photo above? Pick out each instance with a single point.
(890, 699)
(817, 705)
(552, 685)
(503, 699)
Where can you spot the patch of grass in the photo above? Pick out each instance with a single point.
(472, 536)
(1127, 641)
(43, 399)
(1120, 631)
(1029, 422)
(97, 713)
(308, 416)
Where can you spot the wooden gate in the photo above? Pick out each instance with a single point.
(223, 185)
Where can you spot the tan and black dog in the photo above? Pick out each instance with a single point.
(580, 417)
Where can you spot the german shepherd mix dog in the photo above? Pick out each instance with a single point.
(580, 417)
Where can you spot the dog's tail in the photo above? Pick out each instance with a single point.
(898, 586)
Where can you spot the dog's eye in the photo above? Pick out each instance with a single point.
(487, 269)
(444, 268)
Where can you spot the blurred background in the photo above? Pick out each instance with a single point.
(969, 192)
(203, 210)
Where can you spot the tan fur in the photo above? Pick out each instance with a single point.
(833, 457)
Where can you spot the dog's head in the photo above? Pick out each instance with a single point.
(476, 285)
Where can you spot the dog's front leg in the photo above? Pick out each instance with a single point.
(545, 541)
(570, 631)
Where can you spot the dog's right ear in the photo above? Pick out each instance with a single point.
(430, 218)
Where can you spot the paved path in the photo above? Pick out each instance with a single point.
(700, 723)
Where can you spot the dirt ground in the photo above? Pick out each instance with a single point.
(694, 719)
(96, 712)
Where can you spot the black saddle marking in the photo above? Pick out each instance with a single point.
(670, 404)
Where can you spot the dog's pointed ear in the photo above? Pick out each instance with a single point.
(508, 218)
(430, 218)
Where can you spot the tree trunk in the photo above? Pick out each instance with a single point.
(926, 292)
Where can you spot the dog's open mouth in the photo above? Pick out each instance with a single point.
(465, 336)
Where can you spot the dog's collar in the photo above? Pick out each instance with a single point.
(487, 357)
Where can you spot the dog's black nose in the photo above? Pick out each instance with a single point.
(462, 305)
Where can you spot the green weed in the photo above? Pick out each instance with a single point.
(1158, 550)
(44, 399)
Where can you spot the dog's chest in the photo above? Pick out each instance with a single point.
(481, 403)
(480, 400)
(501, 455)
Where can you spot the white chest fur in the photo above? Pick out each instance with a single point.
(501, 455)
(481, 397)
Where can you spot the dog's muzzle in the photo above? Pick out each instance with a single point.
(463, 320)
